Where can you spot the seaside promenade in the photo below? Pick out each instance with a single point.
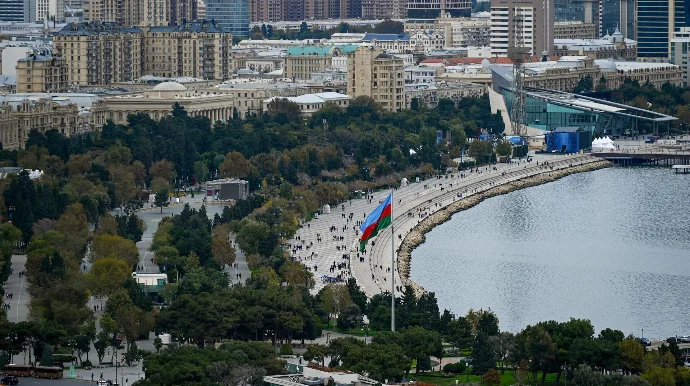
(328, 245)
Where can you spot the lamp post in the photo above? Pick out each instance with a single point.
(565, 368)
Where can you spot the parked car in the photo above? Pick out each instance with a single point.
(645, 341)
(672, 339)
(9, 380)
(684, 339)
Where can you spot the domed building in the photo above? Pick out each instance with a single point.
(158, 101)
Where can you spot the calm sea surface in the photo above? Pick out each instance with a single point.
(612, 246)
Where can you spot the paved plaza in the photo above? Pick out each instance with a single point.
(328, 245)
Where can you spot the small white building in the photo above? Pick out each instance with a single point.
(420, 75)
(311, 103)
(151, 282)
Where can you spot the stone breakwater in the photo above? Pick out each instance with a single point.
(416, 236)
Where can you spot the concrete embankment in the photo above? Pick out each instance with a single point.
(416, 236)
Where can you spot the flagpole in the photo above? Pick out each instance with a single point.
(392, 265)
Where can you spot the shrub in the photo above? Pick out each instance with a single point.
(454, 368)
(286, 349)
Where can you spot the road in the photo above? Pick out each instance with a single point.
(17, 286)
(339, 233)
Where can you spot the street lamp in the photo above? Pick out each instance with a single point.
(565, 369)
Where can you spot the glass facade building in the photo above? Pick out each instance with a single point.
(654, 21)
(231, 15)
(586, 11)
(12, 10)
(618, 14)
(545, 115)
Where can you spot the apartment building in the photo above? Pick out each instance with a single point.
(431, 9)
(41, 73)
(127, 12)
(266, 11)
(373, 73)
(574, 30)
(183, 10)
(193, 49)
(100, 53)
(103, 53)
(384, 9)
(529, 21)
(301, 62)
(457, 32)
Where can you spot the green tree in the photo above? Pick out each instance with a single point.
(162, 199)
(107, 275)
(252, 235)
(657, 376)
(284, 110)
(47, 356)
(503, 149)
(317, 353)
(158, 343)
(459, 332)
(221, 247)
(484, 355)
(389, 27)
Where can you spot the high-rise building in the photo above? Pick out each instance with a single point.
(586, 11)
(196, 49)
(12, 10)
(46, 9)
(100, 53)
(657, 20)
(384, 9)
(103, 53)
(231, 15)
(183, 10)
(530, 21)
(294, 10)
(680, 46)
(127, 12)
(373, 73)
(618, 14)
(201, 9)
(266, 11)
(355, 9)
(431, 9)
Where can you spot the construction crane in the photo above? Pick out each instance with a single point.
(518, 54)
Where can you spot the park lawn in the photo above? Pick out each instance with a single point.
(507, 379)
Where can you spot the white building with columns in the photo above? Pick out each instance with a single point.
(158, 102)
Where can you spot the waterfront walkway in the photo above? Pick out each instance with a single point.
(328, 245)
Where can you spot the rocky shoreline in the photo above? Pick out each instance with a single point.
(417, 235)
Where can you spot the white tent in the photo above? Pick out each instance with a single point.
(603, 145)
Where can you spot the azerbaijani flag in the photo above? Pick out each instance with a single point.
(380, 218)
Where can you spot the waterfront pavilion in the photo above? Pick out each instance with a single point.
(550, 109)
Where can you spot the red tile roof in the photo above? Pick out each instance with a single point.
(433, 60)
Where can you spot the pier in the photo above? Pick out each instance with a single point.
(681, 169)
(662, 157)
